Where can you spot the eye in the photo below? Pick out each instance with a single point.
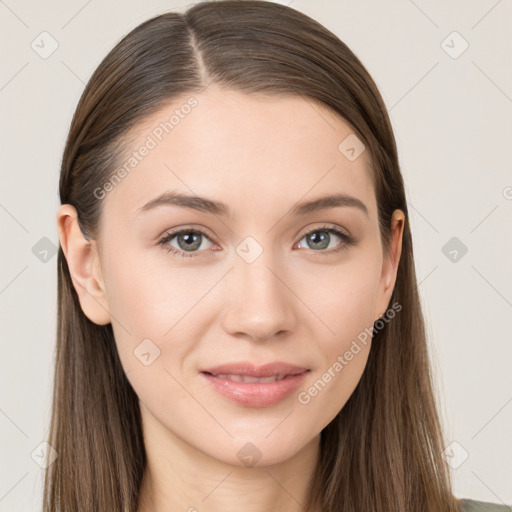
(191, 241)
(188, 240)
(320, 238)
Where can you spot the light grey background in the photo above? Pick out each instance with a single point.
(451, 118)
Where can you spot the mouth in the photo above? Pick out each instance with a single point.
(252, 386)
(277, 369)
(247, 378)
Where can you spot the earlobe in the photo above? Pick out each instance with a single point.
(84, 266)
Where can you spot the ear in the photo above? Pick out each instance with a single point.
(390, 265)
(84, 266)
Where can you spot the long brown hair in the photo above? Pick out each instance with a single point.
(383, 450)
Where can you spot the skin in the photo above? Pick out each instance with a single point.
(295, 303)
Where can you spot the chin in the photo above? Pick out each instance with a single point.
(258, 451)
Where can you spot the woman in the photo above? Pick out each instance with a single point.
(239, 321)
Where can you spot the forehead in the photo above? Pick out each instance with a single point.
(259, 154)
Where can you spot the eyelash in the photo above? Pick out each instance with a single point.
(347, 240)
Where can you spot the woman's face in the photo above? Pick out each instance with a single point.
(267, 282)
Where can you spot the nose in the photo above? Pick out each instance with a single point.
(260, 302)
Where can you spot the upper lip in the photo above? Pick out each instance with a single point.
(246, 368)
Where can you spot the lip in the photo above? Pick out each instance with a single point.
(256, 394)
(266, 370)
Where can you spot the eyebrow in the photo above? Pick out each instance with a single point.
(203, 204)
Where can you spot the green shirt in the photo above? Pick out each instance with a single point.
(468, 505)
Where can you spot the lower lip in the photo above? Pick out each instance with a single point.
(256, 394)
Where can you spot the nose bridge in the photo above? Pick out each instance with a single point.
(259, 302)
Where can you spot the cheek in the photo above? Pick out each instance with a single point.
(152, 299)
(343, 299)
(346, 308)
(150, 294)
(340, 300)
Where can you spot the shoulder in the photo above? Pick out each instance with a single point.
(467, 505)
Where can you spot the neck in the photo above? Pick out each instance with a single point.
(180, 477)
